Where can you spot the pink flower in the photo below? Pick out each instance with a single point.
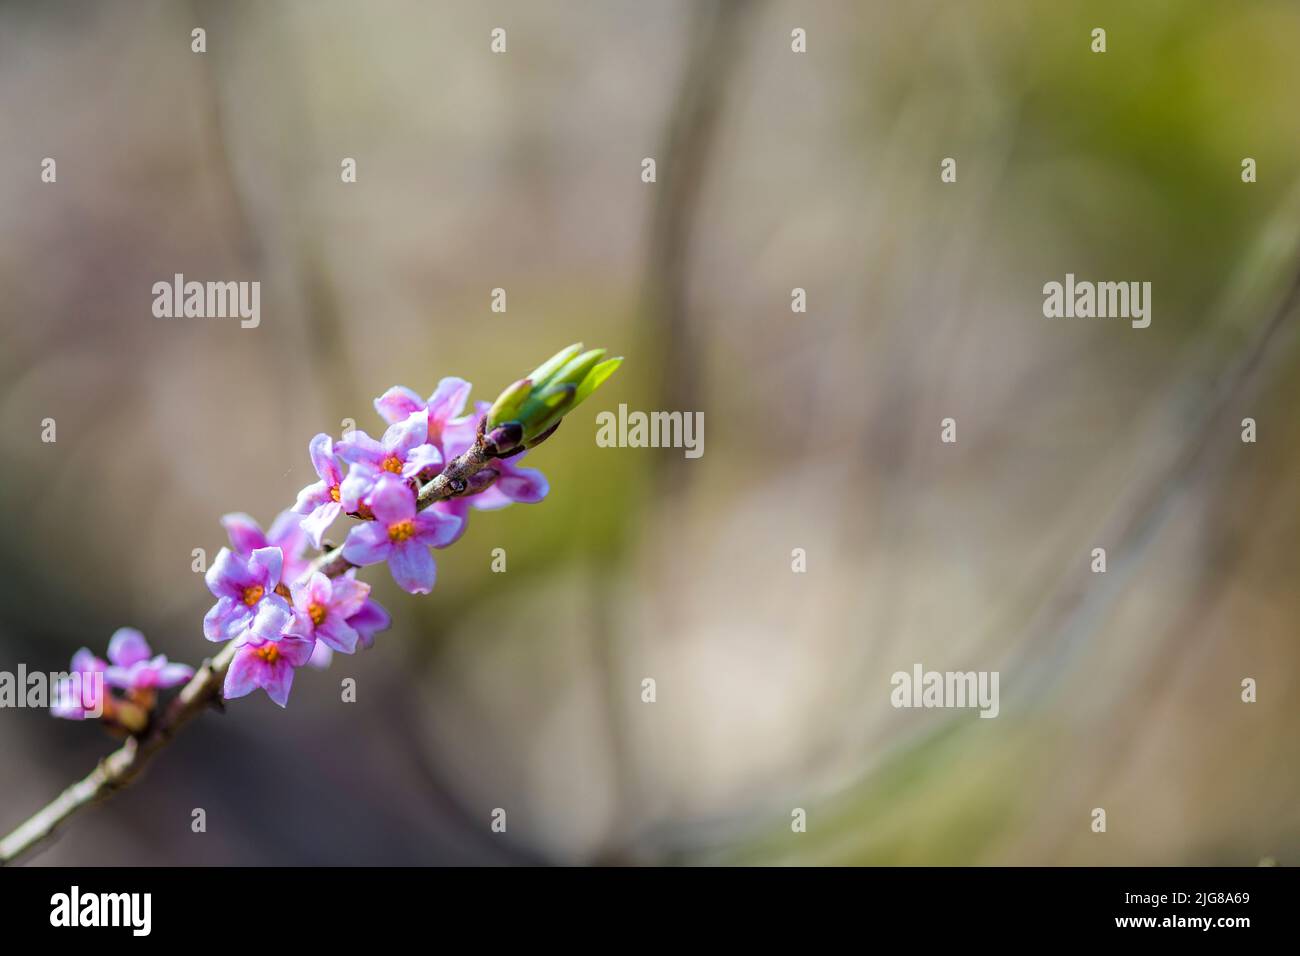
(401, 535)
(82, 693)
(369, 621)
(448, 399)
(323, 608)
(136, 668)
(246, 536)
(404, 450)
(268, 665)
(321, 502)
(247, 596)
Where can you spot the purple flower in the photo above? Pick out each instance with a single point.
(321, 657)
(401, 535)
(321, 502)
(266, 664)
(82, 693)
(448, 399)
(135, 668)
(356, 489)
(323, 608)
(249, 596)
(246, 536)
(404, 449)
(369, 621)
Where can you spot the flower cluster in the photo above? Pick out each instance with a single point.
(278, 626)
(409, 492)
(122, 690)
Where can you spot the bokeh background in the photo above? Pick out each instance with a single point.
(775, 170)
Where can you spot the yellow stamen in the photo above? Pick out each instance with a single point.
(391, 463)
(268, 652)
(253, 593)
(317, 613)
(402, 530)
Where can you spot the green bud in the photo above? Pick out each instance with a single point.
(577, 369)
(543, 372)
(553, 389)
(595, 378)
(506, 407)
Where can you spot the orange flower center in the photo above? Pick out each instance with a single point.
(268, 652)
(393, 463)
(363, 511)
(334, 493)
(317, 613)
(401, 531)
(253, 593)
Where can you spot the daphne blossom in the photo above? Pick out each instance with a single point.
(266, 664)
(440, 411)
(131, 668)
(82, 693)
(285, 533)
(134, 667)
(401, 535)
(322, 501)
(248, 598)
(404, 450)
(322, 608)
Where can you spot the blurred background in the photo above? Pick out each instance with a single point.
(775, 170)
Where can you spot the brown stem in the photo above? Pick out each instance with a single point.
(121, 767)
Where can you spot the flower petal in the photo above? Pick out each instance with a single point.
(336, 633)
(412, 567)
(227, 619)
(369, 621)
(321, 656)
(85, 662)
(437, 529)
(402, 436)
(127, 646)
(419, 458)
(286, 534)
(367, 543)
(349, 596)
(312, 497)
(318, 522)
(321, 450)
(524, 485)
(447, 401)
(244, 673)
(319, 590)
(356, 487)
(245, 534)
(397, 404)
(173, 675)
(277, 680)
(297, 652)
(228, 575)
(360, 449)
(266, 564)
(392, 500)
(272, 617)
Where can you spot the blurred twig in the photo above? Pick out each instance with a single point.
(716, 31)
